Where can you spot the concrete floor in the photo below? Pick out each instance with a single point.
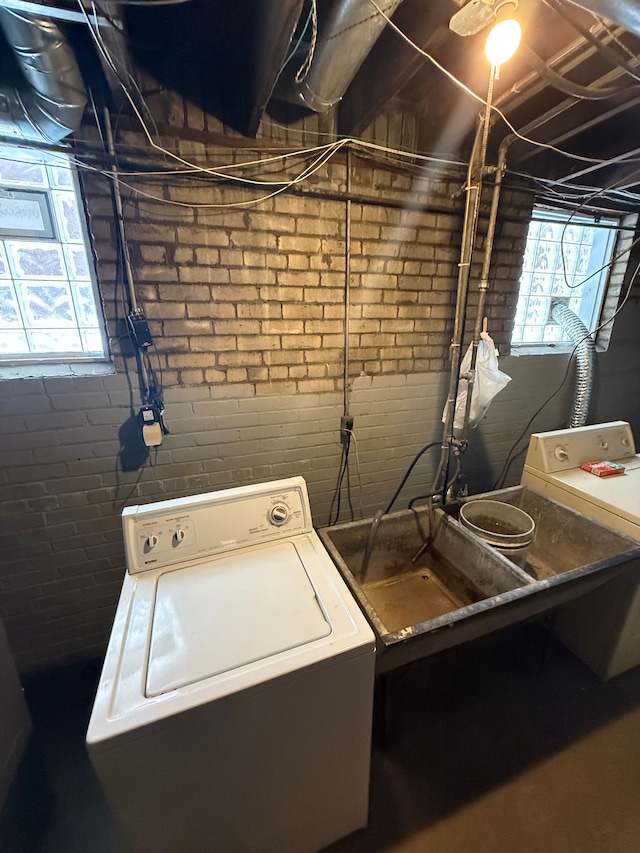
(484, 754)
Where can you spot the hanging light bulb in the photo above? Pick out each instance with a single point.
(503, 41)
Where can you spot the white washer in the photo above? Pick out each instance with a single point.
(603, 627)
(233, 713)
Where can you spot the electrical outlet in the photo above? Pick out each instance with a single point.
(346, 425)
(150, 426)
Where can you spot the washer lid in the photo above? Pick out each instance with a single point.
(224, 614)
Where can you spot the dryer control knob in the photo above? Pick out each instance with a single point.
(279, 514)
(561, 453)
(151, 541)
(178, 536)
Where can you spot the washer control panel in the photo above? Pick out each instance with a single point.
(169, 533)
(563, 449)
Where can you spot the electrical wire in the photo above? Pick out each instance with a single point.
(344, 462)
(292, 53)
(355, 444)
(349, 487)
(578, 193)
(510, 457)
(320, 161)
(115, 61)
(306, 173)
(221, 172)
(608, 264)
(413, 464)
(304, 69)
(104, 51)
(591, 275)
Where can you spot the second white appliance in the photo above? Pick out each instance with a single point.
(603, 627)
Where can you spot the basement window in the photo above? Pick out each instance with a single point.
(566, 260)
(51, 319)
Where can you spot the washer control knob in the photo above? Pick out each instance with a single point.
(625, 441)
(279, 515)
(178, 536)
(151, 541)
(561, 453)
(604, 444)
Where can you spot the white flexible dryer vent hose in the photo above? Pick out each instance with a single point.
(585, 352)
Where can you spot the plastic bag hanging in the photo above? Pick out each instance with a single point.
(489, 381)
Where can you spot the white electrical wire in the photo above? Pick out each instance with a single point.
(196, 170)
(355, 444)
(306, 173)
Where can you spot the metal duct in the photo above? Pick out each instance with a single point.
(346, 39)
(585, 352)
(623, 12)
(50, 103)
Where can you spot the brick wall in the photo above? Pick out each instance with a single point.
(247, 309)
(258, 295)
(62, 490)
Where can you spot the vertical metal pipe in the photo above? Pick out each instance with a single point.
(347, 283)
(472, 209)
(117, 201)
(126, 260)
(484, 276)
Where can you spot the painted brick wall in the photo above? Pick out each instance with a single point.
(62, 490)
(247, 307)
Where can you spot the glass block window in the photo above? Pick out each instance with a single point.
(50, 309)
(565, 260)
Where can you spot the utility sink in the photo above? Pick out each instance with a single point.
(431, 584)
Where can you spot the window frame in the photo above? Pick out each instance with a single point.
(18, 365)
(609, 230)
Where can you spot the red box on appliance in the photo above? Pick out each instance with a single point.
(603, 469)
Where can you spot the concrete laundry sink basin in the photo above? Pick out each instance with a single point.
(419, 607)
(460, 588)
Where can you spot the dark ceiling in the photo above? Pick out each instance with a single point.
(226, 55)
